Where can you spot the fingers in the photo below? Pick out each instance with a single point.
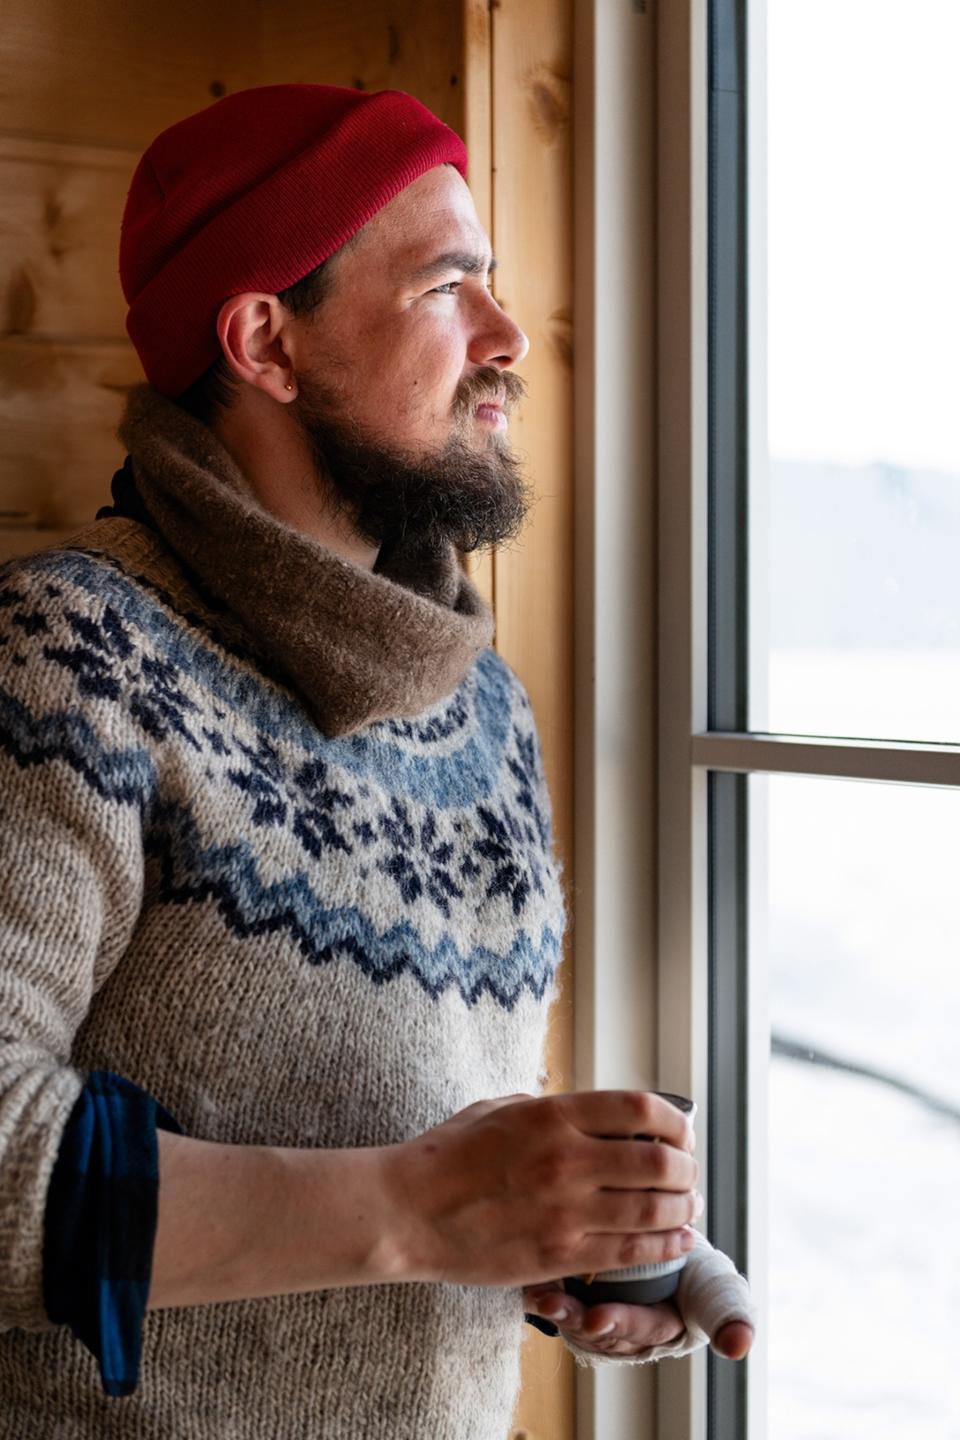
(617, 1252)
(608, 1329)
(622, 1212)
(628, 1113)
(551, 1302)
(627, 1329)
(640, 1164)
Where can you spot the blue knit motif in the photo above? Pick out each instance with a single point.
(442, 819)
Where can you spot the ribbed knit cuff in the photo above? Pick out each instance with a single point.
(100, 1223)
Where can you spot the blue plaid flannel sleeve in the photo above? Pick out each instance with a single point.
(100, 1223)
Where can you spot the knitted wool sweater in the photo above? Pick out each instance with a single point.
(275, 847)
(288, 938)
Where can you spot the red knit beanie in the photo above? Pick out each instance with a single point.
(252, 194)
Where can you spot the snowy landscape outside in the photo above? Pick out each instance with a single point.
(864, 966)
(855, 633)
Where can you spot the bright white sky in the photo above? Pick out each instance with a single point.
(864, 231)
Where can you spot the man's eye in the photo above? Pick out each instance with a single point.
(446, 289)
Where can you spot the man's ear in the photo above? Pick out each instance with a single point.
(254, 334)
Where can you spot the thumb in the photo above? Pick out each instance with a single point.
(733, 1340)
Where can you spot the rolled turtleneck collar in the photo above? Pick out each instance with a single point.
(359, 645)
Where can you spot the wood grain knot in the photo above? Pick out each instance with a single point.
(559, 328)
(21, 303)
(394, 44)
(548, 101)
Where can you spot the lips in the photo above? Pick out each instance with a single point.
(492, 409)
(493, 402)
(488, 414)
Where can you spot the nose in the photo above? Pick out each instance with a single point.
(497, 340)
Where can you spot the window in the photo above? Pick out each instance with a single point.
(810, 697)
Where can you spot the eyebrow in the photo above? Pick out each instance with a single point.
(454, 260)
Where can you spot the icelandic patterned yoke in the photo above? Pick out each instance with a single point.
(286, 938)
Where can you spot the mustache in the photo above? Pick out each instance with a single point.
(490, 384)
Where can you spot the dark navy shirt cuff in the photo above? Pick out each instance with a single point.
(100, 1223)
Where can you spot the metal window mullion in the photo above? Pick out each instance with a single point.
(891, 761)
(682, 703)
(728, 540)
(729, 1088)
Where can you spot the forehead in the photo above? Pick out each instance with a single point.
(434, 215)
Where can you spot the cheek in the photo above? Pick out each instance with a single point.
(424, 380)
(406, 370)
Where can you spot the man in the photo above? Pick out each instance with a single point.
(281, 913)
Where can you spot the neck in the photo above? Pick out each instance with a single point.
(268, 447)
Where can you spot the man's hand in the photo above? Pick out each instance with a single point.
(519, 1190)
(614, 1329)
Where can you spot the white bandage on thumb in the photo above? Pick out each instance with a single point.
(712, 1293)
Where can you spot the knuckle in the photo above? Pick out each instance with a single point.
(659, 1161)
(673, 1245)
(649, 1210)
(552, 1169)
(558, 1243)
(636, 1250)
(647, 1249)
(641, 1109)
(553, 1117)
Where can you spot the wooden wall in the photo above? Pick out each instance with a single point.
(85, 85)
(531, 207)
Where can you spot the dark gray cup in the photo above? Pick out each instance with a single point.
(637, 1284)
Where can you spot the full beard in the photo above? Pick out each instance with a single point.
(472, 495)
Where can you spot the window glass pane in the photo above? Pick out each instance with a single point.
(855, 406)
(861, 950)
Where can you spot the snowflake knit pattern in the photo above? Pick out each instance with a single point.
(287, 938)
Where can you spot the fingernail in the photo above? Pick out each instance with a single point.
(604, 1330)
(687, 1239)
(556, 1313)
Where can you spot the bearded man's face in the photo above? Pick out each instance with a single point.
(406, 398)
(468, 491)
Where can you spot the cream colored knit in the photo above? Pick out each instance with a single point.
(287, 936)
(288, 940)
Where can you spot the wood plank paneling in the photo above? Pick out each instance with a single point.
(27, 542)
(59, 233)
(426, 56)
(476, 73)
(532, 207)
(108, 72)
(59, 407)
(412, 45)
(330, 44)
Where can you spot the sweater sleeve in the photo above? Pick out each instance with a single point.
(74, 782)
(711, 1294)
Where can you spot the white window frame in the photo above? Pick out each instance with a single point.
(627, 171)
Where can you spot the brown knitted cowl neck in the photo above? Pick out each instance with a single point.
(358, 645)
